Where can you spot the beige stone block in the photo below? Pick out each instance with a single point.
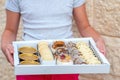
(112, 46)
(107, 17)
(7, 71)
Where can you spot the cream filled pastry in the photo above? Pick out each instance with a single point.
(86, 53)
(45, 51)
(62, 56)
(56, 45)
(64, 59)
(59, 51)
(75, 54)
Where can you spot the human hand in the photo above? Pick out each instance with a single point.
(101, 45)
(8, 51)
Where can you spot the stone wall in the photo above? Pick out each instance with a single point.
(104, 16)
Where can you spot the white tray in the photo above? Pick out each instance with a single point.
(60, 69)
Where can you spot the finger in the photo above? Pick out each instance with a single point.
(9, 57)
(102, 51)
(11, 49)
(101, 48)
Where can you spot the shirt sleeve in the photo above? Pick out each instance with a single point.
(77, 3)
(12, 5)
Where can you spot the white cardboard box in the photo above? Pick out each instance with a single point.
(60, 69)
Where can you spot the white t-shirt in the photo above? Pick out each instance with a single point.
(45, 19)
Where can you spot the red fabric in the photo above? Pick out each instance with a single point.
(48, 77)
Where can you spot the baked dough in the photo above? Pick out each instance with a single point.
(28, 56)
(87, 53)
(45, 51)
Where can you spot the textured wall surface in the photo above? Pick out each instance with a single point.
(104, 16)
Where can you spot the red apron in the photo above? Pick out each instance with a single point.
(48, 77)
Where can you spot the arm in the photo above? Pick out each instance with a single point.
(10, 34)
(85, 29)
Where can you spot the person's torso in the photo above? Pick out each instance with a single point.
(46, 19)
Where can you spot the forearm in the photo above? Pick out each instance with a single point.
(7, 38)
(90, 32)
(11, 28)
(85, 29)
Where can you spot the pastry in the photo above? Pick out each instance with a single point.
(58, 44)
(87, 53)
(64, 59)
(28, 56)
(61, 50)
(45, 51)
(29, 63)
(75, 54)
(27, 49)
